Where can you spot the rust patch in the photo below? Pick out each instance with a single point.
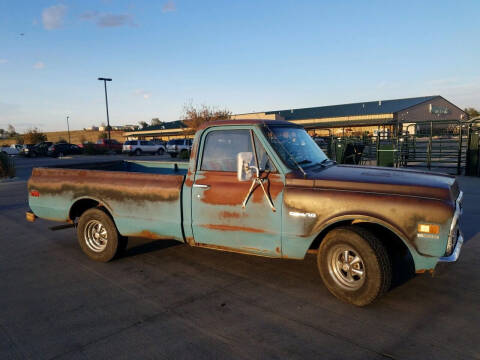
(119, 186)
(189, 179)
(230, 249)
(232, 215)
(277, 250)
(190, 240)
(225, 189)
(233, 228)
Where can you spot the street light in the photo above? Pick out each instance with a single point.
(68, 128)
(106, 105)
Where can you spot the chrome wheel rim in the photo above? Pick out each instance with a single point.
(96, 236)
(346, 267)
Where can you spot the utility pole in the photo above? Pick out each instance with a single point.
(106, 105)
(68, 128)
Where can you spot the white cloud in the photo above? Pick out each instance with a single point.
(3, 61)
(108, 20)
(39, 65)
(113, 20)
(52, 17)
(142, 93)
(169, 6)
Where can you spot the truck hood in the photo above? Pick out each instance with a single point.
(379, 180)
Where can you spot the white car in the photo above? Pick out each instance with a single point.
(139, 147)
(10, 150)
(178, 146)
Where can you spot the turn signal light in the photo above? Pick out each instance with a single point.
(34, 193)
(428, 229)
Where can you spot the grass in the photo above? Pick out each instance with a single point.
(7, 166)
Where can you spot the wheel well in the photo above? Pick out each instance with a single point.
(82, 205)
(402, 261)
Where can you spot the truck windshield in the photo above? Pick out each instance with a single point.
(295, 146)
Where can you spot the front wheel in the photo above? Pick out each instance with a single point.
(354, 265)
(98, 236)
(160, 151)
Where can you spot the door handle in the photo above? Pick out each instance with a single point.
(201, 186)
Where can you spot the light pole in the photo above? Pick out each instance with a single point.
(106, 105)
(68, 128)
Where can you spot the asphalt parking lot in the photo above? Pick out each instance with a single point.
(166, 300)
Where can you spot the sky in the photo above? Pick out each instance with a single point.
(244, 56)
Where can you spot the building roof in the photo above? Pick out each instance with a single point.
(177, 124)
(245, 122)
(361, 108)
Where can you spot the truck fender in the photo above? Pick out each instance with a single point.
(86, 199)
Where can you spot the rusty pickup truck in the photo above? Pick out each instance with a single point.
(263, 187)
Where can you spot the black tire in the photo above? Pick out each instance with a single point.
(138, 152)
(375, 265)
(160, 151)
(33, 154)
(115, 243)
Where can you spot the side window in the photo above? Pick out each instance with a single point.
(143, 142)
(221, 149)
(264, 162)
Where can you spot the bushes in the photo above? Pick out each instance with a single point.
(7, 166)
(184, 155)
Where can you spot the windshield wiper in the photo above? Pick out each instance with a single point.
(326, 160)
(304, 162)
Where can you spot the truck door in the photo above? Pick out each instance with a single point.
(218, 219)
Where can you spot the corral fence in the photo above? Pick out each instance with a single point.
(443, 146)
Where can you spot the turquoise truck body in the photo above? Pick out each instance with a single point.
(182, 201)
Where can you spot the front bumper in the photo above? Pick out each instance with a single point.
(455, 237)
(456, 252)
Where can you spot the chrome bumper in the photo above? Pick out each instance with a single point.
(456, 252)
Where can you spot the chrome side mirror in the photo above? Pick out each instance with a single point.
(244, 172)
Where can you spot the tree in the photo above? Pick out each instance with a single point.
(34, 136)
(155, 122)
(194, 117)
(143, 124)
(11, 131)
(472, 112)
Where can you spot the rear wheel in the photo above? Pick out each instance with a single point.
(98, 236)
(138, 152)
(160, 151)
(354, 265)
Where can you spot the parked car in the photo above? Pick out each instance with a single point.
(40, 149)
(109, 145)
(10, 150)
(249, 189)
(139, 147)
(61, 149)
(177, 146)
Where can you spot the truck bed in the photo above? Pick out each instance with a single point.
(143, 197)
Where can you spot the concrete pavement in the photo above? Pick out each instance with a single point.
(165, 300)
